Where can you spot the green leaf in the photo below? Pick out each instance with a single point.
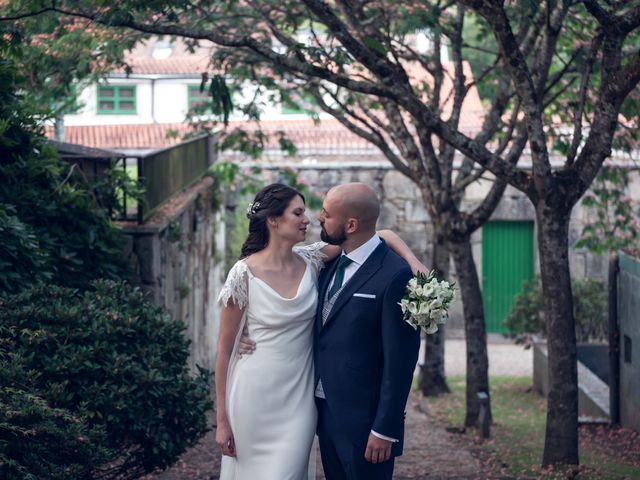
(374, 44)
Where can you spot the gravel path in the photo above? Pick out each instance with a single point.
(431, 453)
(505, 358)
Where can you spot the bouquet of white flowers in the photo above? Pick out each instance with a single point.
(426, 302)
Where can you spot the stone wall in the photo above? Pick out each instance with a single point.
(176, 259)
(404, 212)
(629, 329)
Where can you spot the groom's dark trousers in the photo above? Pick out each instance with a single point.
(365, 355)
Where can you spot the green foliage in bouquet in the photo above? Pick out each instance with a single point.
(590, 309)
(111, 357)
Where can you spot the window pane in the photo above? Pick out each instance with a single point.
(126, 92)
(106, 105)
(105, 92)
(126, 106)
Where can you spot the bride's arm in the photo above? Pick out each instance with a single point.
(330, 252)
(397, 245)
(230, 319)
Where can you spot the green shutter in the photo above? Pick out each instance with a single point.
(198, 101)
(117, 100)
(507, 261)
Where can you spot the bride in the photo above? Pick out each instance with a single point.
(266, 413)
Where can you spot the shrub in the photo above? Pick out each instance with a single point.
(119, 358)
(38, 441)
(55, 229)
(590, 311)
(22, 261)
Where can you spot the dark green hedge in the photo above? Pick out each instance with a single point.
(52, 229)
(38, 441)
(117, 363)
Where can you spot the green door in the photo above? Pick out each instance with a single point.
(507, 261)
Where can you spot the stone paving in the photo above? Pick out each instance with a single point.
(430, 453)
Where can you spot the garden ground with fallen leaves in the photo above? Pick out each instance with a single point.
(517, 436)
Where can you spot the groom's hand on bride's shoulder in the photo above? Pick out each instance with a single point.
(246, 345)
(378, 450)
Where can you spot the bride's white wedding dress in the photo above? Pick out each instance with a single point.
(270, 401)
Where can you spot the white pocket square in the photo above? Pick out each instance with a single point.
(364, 295)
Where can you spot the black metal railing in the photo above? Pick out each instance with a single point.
(132, 188)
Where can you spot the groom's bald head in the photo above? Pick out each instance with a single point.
(358, 201)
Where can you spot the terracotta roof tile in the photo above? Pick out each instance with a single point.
(328, 137)
(190, 66)
(176, 59)
(142, 136)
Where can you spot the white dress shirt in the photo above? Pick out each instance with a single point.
(358, 257)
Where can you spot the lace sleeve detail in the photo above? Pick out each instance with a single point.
(236, 287)
(312, 254)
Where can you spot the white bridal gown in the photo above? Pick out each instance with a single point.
(270, 400)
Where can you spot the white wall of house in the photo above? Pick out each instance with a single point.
(159, 99)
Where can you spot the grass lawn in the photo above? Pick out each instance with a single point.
(132, 204)
(517, 435)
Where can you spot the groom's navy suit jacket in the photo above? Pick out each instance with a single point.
(365, 352)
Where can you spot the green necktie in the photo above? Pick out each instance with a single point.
(339, 277)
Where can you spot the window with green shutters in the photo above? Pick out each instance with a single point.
(196, 99)
(305, 101)
(117, 100)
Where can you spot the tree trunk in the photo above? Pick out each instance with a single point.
(432, 380)
(58, 128)
(474, 328)
(561, 438)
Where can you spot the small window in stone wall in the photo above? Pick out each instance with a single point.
(627, 349)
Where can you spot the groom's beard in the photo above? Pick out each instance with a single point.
(337, 239)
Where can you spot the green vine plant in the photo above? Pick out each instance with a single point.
(616, 222)
(295, 179)
(119, 191)
(234, 187)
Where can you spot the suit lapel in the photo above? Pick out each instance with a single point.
(368, 268)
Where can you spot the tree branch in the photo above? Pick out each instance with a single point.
(214, 35)
(22, 16)
(603, 17)
(582, 96)
(515, 63)
(373, 135)
(459, 94)
(483, 212)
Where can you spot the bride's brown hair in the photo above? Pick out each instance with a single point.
(269, 202)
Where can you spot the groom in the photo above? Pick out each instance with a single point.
(364, 353)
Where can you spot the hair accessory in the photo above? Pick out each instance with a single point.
(253, 208)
